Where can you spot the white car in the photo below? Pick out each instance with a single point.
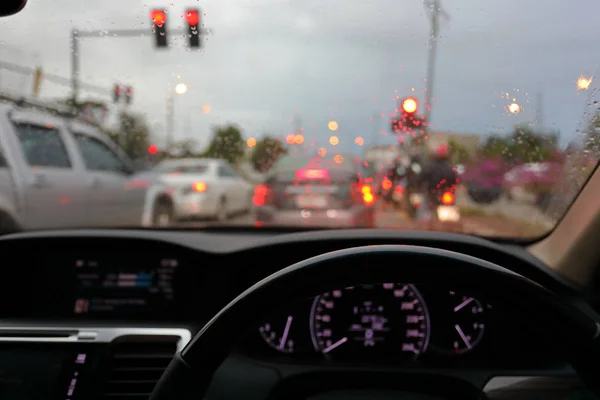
(205, 188)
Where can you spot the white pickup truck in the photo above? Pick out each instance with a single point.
(57, 171)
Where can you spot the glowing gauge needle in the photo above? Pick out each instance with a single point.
(336, 344)
(286, 331)
(463, 304)
(462, 336)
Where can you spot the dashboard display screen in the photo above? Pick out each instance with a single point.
(34, 372)
(114, 287)
(29, 375)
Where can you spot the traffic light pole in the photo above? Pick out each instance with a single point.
(436, 13)
(77, 35)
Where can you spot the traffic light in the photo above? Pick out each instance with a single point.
(117, 92)
(153, 149)
(128, 94)
(408, 118)
(159, 22)
(409, 105)
(192, 17)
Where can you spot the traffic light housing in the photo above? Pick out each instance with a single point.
(192, 18)
(407, 118)
(117, 92)
(128, 95)
(159, 27)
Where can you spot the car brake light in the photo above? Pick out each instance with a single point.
(199, 187)
(367, 195)
(448, 198)
(312, 174)
(261, 194)
(386, 184)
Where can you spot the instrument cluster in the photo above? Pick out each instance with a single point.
(391, 322)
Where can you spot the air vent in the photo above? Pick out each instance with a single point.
(135, 364)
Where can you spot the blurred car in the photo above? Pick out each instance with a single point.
(315, 191)
(533, 182)
(57, 170)
(205, 188)
(484, 180)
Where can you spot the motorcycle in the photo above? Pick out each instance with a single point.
(445, 207)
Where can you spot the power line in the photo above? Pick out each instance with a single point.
(61, 80)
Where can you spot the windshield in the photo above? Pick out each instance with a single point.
(456, 116)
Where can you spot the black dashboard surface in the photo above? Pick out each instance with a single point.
(166, 278)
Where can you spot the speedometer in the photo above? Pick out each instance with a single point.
(388, 321)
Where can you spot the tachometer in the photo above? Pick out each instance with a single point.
(459, 323)
(279, 334)
(387, 321)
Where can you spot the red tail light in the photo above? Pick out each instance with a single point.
(448, 198)
(261, 195)
(312, 174)
(386, 184)
(199, 187)
(367, 195)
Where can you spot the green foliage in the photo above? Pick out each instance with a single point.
(524, 145)
(227, 144)
(266, 153)
(460, 154)
(184, 149)
(592, 135)
(132, 135)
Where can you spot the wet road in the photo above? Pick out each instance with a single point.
(501, 219)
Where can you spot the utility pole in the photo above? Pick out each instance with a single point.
(436, 12)
(170, 120)
(74, 66)
(539, 111)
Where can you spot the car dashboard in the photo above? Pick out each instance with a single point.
(100, 314)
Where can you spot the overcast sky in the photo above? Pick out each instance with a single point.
(321, 60)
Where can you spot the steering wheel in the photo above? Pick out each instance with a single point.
(568, 328)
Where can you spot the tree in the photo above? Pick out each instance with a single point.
(494, 146)
(460, 154)
(523, 145)
(266, 152)
(184, 149)
(528, 146)
(592, 135)
(132, 135)
(227, 143)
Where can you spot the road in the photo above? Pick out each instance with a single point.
(512, 209)
(501, 219)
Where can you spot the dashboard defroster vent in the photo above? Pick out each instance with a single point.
(135, 363)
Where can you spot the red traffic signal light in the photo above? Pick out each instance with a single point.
(153, 149)
(128, 94)
(158, 17)
(410, 105)
(192, 17)
(117, 93)
(159, 21)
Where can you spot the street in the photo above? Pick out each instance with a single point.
(501, 219)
